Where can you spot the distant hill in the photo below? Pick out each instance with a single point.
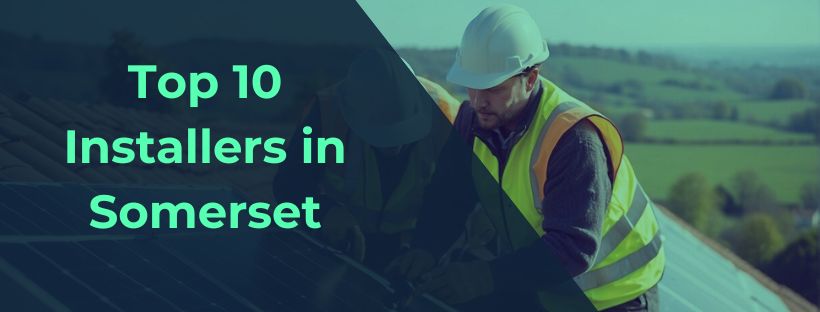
(798, 56)
(616, 79)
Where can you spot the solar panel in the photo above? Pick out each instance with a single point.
(697, 278)
(47, 250)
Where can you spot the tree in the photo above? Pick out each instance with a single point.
(633, 126)
(751, 194)
(797, 264)
(624, 56)
(735, 115)
(726, 202)
(806, 121)
(644, 58)
(756, 239)
(572, 77)
(721, 110)
(788, 88)
(691, 199)
(810, 196)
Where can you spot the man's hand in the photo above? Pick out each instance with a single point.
(341, 230)
(459, 282)
(411, 264)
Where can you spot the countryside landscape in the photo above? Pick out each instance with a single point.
(730, 148)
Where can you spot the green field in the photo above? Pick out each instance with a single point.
(598, 70)
(603, 71)
(688, 130)
(617, 112)
(672, 94)
(771, 110)
(783, 168)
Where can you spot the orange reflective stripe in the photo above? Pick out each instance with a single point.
(554, 130)
(565, 116)
(612, 139)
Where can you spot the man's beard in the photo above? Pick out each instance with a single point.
(492, 121)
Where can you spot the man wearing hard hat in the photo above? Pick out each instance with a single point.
(561, 164)
(384, 118)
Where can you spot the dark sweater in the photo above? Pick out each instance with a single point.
(576, 195)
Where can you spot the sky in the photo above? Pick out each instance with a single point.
(624, 23)
(440, 23)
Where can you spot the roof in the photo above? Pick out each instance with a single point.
(32, 133)
(698, 267)
(50, 262)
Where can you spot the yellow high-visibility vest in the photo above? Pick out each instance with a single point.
(630, 259)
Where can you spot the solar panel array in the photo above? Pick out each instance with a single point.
(55, 260)
(697, 278)
(51, 259)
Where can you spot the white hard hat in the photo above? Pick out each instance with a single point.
(499, 43)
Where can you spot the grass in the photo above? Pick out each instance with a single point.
(598, 70)
(704, 129)
(672, 94)
(603, 71)
(771, 110)
(784, 168)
